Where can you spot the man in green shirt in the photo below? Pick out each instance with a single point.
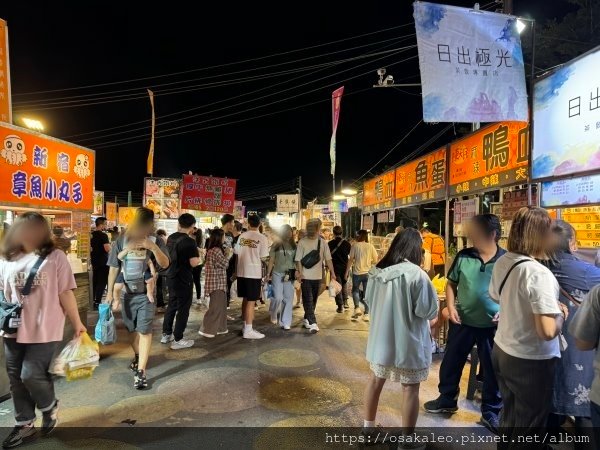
(472, 320)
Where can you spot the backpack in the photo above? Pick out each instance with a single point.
(172, 246)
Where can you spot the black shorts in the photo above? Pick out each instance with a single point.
(249, 288)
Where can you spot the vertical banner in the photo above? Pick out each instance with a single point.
(150, 162)
(111, 212)
(336, 103)
(98, 203)
(471, 65)
(5, 100)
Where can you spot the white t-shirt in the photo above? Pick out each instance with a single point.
(530, 289)
(305, 246)
(251, 247)
(365, 257)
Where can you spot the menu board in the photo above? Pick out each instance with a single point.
(98, 203)
(586, 221)
(239, 210)
(80, 224)
(566, 110)
(422, 180)
(571, 192)
(378, 193)
(513, 201)
(495, 156)
(161, 195)
(209, 194)
(464, 211)
(368, 222)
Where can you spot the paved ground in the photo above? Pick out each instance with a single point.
(288, 379)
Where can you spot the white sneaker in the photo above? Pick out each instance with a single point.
(274, 320)
(206, 335)
(223, 332)
(166, 338)
(253, 334)
(182, 343)
(366, 317)
(286, 327)
(306, 324)
(314, 328)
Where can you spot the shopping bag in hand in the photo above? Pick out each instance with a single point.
(334, 288)
(106, 331)
(78, 359)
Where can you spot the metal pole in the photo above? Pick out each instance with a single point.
(129, 200)
(530, 134)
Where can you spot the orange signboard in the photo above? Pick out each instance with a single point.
(422, 180)
(495, 156)
(5, 102)
(42, 172)
(126, 215)
(111, 211)
(379, 192)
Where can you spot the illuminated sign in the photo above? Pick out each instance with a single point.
(422, 180)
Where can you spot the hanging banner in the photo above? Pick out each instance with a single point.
(378, 193)
(287, 203)
(126, 215)
(495, 156)
(98, 203)
(513, 201)
(111, 212)
(422, 180)
(5, 97)
(161, 195)
(39, 171)
(209, 194)
(336, 102)
(471, 65)
(566, 127)
(571, 192)
(239, 210)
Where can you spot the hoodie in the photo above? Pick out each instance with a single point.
(402, 301)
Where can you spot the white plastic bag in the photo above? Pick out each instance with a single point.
(334, 288)
(233, 292)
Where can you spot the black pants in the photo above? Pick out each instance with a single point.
(161, 286)
(178, 310)
(99, 281)
(197, 272)
(461, 339)
(340, 275)
(310, 295)
(526, 386)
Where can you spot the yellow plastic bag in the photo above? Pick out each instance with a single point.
(439, 283)
(78, 359)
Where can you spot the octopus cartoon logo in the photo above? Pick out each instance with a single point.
(13, 150)
(82, 166)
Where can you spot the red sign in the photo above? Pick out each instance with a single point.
(209, 194)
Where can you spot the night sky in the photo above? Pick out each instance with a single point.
(58, 45)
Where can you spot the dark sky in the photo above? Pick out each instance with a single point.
(57, 45)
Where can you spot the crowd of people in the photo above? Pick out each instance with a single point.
(532, 310)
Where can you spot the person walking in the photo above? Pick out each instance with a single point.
(340, 251)
(197, 271)
(312, 247)
(34, 272)
(130, 256)
(471, 312)
(161, 282)
(300, 234)
(402, 301)
(100, 247)
(236, 233)
(184, 256)
(575, 371)
(281, 273)
(526, 345)
(252, 249)
(362, 258)
(217, 261)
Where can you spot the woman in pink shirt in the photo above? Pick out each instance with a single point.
(28, 251)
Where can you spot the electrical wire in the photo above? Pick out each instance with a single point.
(218, 65)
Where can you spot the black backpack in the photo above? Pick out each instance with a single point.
(172, 246)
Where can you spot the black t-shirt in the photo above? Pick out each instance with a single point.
(99, 254)
(186, 249)
(340, 257)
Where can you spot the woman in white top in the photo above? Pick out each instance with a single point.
(527, 345)
(363, 257)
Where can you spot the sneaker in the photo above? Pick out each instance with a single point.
(366, 317)
(206, 335)
(436, 407)
(357, 313)
(139, 380)
(228, 308)
(166, 338)
(314, 328)
(306, 324)
(285, 327)
(134, 365)
(253, 334)
(181, 344)
(50, 420)
(222, 332)
(346, 305)
(18, 435)
(491, 423)
(339, 309)
(274, 320)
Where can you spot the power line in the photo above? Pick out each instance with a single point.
(218, 65)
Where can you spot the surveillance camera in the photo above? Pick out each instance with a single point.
(389, 80)
(381, 72)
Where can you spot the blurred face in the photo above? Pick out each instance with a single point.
(102, 226)
(31, 235)
(228, 227)
(479, 237)
(286, 234)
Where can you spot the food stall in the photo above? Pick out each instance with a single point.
(566, 152)
(56, 178)
(378, 197)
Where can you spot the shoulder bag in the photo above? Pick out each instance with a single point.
(10, 313)
(312, 258)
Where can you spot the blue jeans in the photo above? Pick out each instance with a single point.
(461, 339)
(357, 296)
(282, 302)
